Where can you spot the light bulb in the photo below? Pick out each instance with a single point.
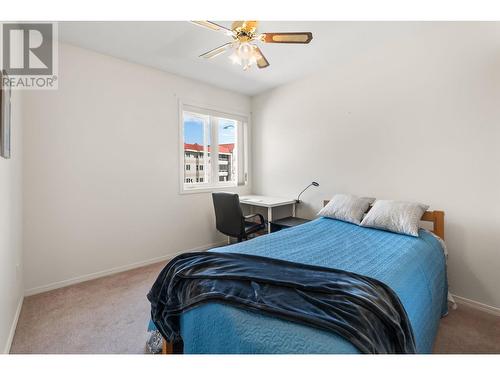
(235, 59)
(245, 51)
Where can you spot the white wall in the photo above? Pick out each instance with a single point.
(414, 118)
(101, 169)
(11, 278)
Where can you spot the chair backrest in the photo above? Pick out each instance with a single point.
(228, 215)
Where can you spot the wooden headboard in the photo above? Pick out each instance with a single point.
(435, 217)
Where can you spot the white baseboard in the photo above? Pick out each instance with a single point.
(110, 271)
(13, 326)
(477, 305)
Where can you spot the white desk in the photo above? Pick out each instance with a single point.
(269, 203)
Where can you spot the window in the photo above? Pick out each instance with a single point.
(203, 165)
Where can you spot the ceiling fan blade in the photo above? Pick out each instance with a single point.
(261, 60)
(302, 38)
(213, 26)
(216, 51)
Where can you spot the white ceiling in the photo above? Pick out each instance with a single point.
(175, 46)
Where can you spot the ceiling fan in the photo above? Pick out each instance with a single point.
(244, 33)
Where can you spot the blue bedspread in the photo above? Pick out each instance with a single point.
(414, 268)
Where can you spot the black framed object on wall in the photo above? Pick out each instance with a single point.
(4, 118)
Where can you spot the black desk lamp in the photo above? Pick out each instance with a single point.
(314, 183)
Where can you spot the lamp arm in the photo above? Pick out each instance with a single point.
(298, 197)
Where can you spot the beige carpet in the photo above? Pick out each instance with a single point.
(110, 315)
(106, 315)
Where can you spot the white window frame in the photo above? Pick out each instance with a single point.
(242, 148)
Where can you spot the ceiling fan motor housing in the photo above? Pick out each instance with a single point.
(244, 31)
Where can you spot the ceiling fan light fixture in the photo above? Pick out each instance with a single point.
(244, 54)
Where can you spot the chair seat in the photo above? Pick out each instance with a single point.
(252, 227)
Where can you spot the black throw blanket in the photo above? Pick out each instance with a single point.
(362, 310)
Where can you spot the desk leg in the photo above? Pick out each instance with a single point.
(269, 218)
(293, 210)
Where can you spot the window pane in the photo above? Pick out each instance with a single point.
(196, 149)
(228, 165)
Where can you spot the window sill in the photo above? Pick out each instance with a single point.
(208, 189)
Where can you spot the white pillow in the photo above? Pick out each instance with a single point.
(395, 216)
(346, 207)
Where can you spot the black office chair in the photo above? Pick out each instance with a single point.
(229, 218)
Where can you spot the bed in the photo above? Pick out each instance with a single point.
(415, 268)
